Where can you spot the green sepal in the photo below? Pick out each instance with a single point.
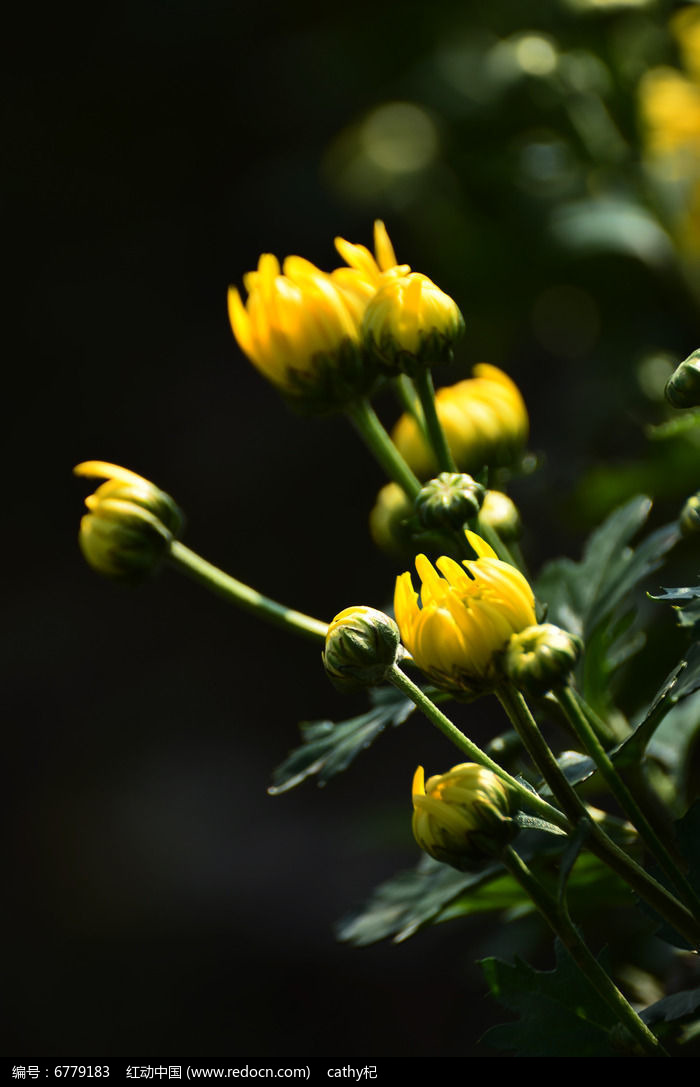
(331, 381)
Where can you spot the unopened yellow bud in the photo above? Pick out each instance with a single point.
(541, 657)
(130, 525)
(410, 323)
(387, 520)
(464, 618)
(485, 423)
(361, 646)
(683, 386)
(501, 514)
(303, 334)
(462, 816)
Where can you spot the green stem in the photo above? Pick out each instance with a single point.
(661, 900)
(607, 733)
(243, 596)
(528, 799)
(591, 744)
(407, 397)
(423, 383)
(380, 444)
(534, 743)
(557, 917)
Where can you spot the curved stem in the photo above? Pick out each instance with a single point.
(381, 446)
(423, 383)
(661, 900)
(527, 798)
(592, 745)
(557, 917)
(243, 596)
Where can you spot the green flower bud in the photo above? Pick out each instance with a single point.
(540, 657)
(501, 514)
(449, 500)
(130, 525)
(462, 816)
(410, 323)
(361, 646)
(690, 516)
(683, 386)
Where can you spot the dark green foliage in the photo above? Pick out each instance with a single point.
(401, 905)
(560, 1015)
(686, 603)
(594, 597)
(434, 892)
(329, 748)
(681, 681)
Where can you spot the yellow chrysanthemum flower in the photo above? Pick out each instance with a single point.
(485, 422)
(670, 109)
(301, 326)
(300, 329)
(461, 816)
(685, 25)
(464, 618)
(130, 522)
(363, 273)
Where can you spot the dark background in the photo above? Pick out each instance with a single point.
(159, 899)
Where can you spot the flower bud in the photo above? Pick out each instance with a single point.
(541, 657)
(301, 331)
(410, 324)
(462, 816)
(690, 516)
(485, 423)
(683, 386)
(387, 521)
(361, 646)
(449, 500)
(130, 524)
(501, 514)
(465, 615)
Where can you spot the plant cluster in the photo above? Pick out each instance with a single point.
(514, 824)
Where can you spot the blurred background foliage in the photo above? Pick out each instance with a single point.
(542, 165)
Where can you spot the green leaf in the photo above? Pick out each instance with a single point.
(687, 832)
(688, 836)
(559, 1013)
(594, 597)
(681, 681)
(686, 602)
(672, 1008)
(591, 887)
(569, 858)
(500, 895)
(573, 590)
(434, 892)
(682, 423)
(329, 748)
(611, 224)
(400, 906)
(672, 743)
